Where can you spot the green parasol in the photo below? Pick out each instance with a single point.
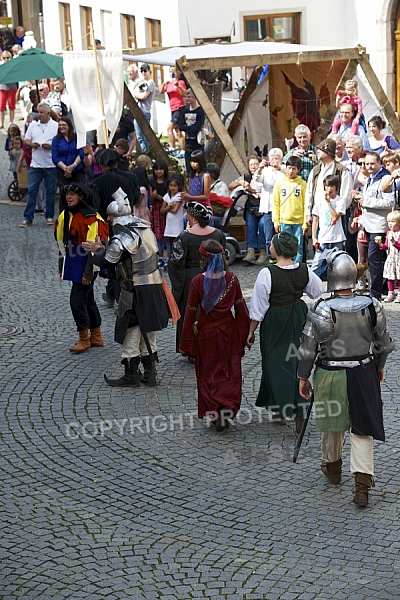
(34, 63)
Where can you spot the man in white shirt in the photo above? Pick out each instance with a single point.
(268, 176)
(39, 137)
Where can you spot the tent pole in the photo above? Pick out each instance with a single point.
(379, 92)
(327, 120)
(96, 61)
(212, 115)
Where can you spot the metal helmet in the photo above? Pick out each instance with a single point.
(342, 271)
(119, 207)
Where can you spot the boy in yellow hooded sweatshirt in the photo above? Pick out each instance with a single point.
(289, 204)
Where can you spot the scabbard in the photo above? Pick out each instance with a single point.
(303, 429)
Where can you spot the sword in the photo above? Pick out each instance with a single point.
(303, 429)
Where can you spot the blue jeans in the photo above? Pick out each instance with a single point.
(255, 237)
(319, 264)
(297, 231)
(49, 176)
(267, 227)
(141, 138)
(376, 262)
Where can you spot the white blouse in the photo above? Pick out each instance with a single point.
(259, 303)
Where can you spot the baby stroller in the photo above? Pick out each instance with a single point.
(224, 208)
(18, 188)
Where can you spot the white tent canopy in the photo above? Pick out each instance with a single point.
(225, 51)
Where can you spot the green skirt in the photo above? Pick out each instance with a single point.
(280, 334)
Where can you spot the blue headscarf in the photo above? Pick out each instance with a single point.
(214, 281)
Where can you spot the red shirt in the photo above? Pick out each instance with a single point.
(175, 97)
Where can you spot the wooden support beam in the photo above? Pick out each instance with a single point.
(211, 114)
(323, 130)
(144, 125)
(286, 58)
(225, 62)
(380, 95)
(237, 117)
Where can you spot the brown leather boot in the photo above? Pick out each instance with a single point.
(250, 256)
(83, 343)
(363, 484)
(262, 258)
(333, 470)
(96, 339)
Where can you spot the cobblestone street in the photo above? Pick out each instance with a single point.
(124, 494)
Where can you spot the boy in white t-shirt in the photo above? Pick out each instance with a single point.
(327, 228)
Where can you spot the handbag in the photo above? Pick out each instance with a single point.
(253, 206)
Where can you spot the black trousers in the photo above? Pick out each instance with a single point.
(83, 306)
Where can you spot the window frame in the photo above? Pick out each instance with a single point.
(86, 19)
(129, 24)
(157, 70)
(66, 28)
(269, 18)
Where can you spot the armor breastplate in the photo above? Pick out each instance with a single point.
(141, 265)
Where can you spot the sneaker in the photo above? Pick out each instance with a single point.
(398, 298)
(391, 296)
(49, 221)
(180, 154)
(25, 224)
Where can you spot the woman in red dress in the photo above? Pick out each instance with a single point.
(217, 340)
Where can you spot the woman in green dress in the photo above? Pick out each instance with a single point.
(276, 304)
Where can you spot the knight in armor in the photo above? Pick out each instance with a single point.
(347, 338)
(142, 306)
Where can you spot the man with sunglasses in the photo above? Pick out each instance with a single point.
(143, 94)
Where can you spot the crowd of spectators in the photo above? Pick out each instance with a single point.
(338, 187)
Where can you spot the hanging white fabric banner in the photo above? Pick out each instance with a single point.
(83, 92)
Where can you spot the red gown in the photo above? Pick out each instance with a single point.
(218, 347)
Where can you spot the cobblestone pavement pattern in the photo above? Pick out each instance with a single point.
(124, 494)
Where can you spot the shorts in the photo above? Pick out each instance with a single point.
(176, 116)
(7, 97)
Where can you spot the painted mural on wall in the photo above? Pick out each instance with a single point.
(302, 94)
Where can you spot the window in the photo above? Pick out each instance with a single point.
(66, 31)
(128, 31)
(155, 42)
(86, 19)
(279, 28)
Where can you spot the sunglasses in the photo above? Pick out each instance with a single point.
(361, 164)
(7, 58)
(143, 70)
(72, 188)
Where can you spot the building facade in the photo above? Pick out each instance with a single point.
(374, 24)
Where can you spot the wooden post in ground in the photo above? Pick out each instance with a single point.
(211, 114)
(144, 125)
